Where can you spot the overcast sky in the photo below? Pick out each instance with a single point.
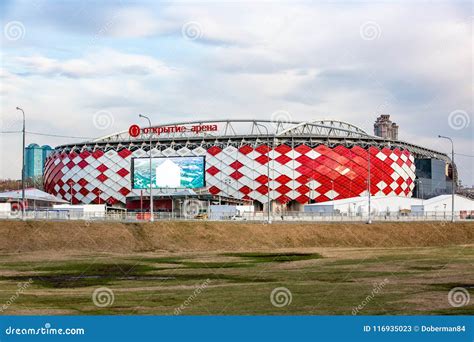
(86, 68)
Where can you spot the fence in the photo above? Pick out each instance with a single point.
(63, 215)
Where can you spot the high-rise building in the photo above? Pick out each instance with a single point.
(385, 128)
(35, 157)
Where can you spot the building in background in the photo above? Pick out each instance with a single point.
(385, 128)
(433, 178)
(35, 158)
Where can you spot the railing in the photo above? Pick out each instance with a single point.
(296, 216)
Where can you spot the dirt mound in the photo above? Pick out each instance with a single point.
(18, 236)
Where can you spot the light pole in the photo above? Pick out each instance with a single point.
(70, 183)
(151, 174)
(23, 168)
(332, 188)
(269, 220)
(369, 220)
(452, 178)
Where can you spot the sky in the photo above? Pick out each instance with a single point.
(88, 68)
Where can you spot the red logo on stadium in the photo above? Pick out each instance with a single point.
(134, 131)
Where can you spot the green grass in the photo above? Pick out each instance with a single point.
(415, 281)
(275, 257)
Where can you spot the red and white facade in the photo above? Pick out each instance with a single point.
(301, 173)
(297, 167)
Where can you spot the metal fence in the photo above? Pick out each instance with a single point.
(64, 215)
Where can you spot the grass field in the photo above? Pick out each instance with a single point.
(322, 280)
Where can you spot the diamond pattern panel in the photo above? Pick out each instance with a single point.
(300, 173)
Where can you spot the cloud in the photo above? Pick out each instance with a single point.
(103, 63)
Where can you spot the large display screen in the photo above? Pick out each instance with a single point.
(168, 172)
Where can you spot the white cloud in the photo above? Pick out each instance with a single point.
(105, 62)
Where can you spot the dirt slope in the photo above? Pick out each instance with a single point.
(18, 236)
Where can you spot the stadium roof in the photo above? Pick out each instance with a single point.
(245, 131)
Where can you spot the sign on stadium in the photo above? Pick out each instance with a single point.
(135, 130)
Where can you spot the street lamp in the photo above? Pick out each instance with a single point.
(369, 220)
(23, 168)
(70, 183)
(151, 175)
(332, 192)
(452, 178)
(269, 220)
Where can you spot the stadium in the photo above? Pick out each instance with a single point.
(288, 164)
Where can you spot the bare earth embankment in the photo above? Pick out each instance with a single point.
(18, 236)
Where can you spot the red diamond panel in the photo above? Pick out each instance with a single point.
(283, 199)
(262, 159)
(236, 165)
(283, 159)
(102, 177)
(102, 168)
(97, 154)
(262, 179)
(245, 190)
(302, 199)
(283, 179)
(303, 189)
(236, 175)
(214, 150)
(82, 164)
(303, 149)
(124, 191)
(124, 153)
(263, 149)
(263, 189)
(214, 190)
(213, 170)
(282, 149)
(283, 189)
(123, 172)
(84, 154)
(246, 149)
(84, 191)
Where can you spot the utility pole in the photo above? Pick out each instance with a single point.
(452, 178)
(151, 174)
(269, 220)
(369, 221)
(23, 168)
